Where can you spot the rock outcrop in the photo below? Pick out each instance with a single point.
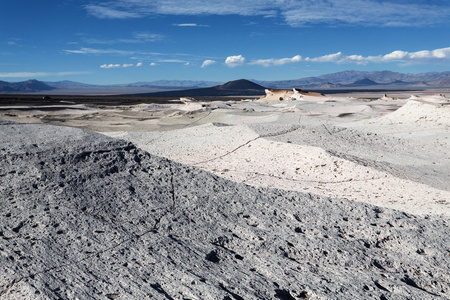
(86, 216)
(273, 95)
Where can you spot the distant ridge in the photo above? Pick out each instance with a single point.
(28, 86)
(186, 84)
(241, 87)
(348, 78)
(66, 84)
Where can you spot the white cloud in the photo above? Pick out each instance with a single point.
(336, 57)
(40, 74)
(419, 57)
(393, 13)
(441, 53)
(234, 61)
(276, 62)
(153, 64)
(395, 55)
(139, 64)
(110, 66)
(127, 65)
(436, 56)
(208, 62)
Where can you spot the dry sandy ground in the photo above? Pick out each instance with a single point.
(392, 152)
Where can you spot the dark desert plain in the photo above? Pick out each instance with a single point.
(225, 150)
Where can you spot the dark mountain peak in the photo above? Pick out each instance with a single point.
(241, 84)
(328, 85)
(32, 85)
(364, 81)
(398, 82)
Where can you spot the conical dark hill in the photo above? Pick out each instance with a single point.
(241, 84)
(363, 82)
(241, 87)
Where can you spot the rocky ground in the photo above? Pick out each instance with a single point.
(87, 216)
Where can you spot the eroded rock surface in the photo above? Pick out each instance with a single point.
(86, 216)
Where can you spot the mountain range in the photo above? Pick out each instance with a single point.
(340, 80)
(28, 86)
(346, 79)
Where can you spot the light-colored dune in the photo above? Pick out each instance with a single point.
(239, 154)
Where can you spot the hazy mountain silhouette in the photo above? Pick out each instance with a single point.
(349, 77)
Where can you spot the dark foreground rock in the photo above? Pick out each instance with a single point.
(84, 216)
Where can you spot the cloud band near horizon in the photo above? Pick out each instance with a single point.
(419, 57)
(441, 55)
(40, 74)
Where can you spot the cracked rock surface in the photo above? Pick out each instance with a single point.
(87, 216)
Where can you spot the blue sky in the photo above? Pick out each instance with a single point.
(124, 41)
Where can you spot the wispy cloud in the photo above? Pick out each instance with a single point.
(208, 62)
(135, 54)
(138, 55)
(395, 13)
(172, 61)
(141, 37)
(190, 25)
(13, 42)
(40, 74)
(137, 38)
(120, 9)
(115, 66)
(437, 56)
(99, 51)
(106, 11)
